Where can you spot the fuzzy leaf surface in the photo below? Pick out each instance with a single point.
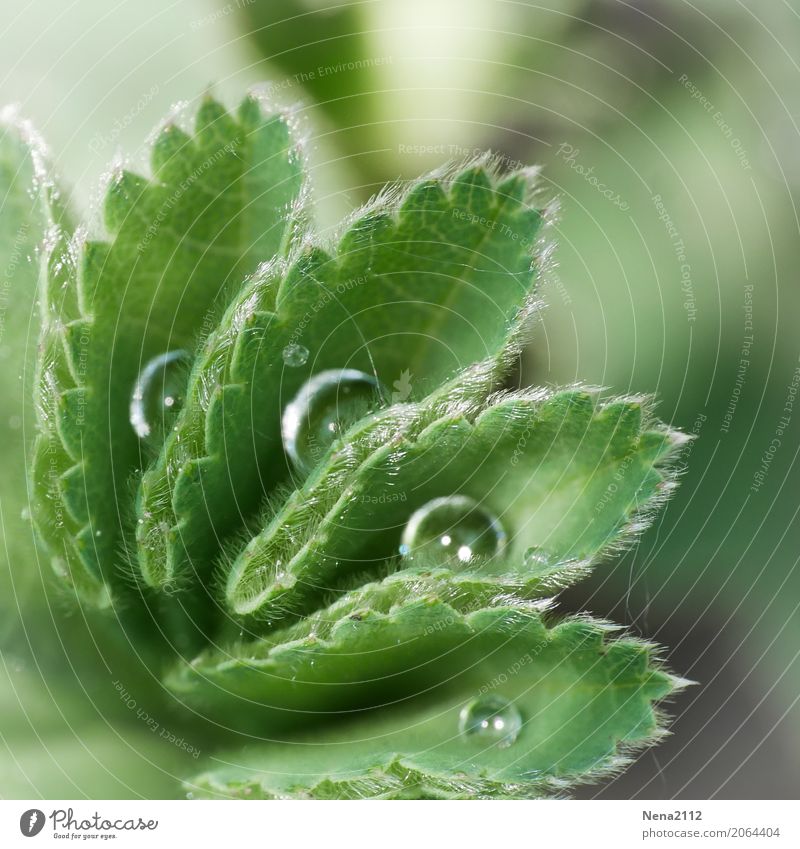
(423, 284)
(177, 245)
(28, 203)
(381, 641)
(564, 474)
(583, 701)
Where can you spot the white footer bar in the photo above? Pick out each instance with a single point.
(410, 825)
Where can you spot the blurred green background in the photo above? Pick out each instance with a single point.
(669, 132)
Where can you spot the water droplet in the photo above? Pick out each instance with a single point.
(537, 559)
(325, 407)
(491, 720)
(454, 530)
(295, 355)
(158, 394)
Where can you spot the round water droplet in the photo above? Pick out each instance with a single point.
(538, 559)
(453, 530)
(323, 409)
(158, 394)
(295, 355)
(491, 720)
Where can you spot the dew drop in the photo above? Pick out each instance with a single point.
(537, 559)
(324, 408)
(491, 720)
(453, 530)
(158, 394)
(295, 355)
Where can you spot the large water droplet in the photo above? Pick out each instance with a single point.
(324, 408)
(453, 530)
(491, 720)
(295, 355)
(158, 394)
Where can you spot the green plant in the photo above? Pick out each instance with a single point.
(289, 470)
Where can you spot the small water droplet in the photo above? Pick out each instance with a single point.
(454, 530)
(536, 558)
(158, 394)
(295, 355)
(491, 720)
(324, 408)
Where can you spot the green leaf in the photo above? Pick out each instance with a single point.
(28, 203)
(380, 641)
(566, 476)
(583, 702)
(423, 284)
(177, 248)
(324, 55)
(361, 663)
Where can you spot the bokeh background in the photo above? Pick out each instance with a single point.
(669, 131)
